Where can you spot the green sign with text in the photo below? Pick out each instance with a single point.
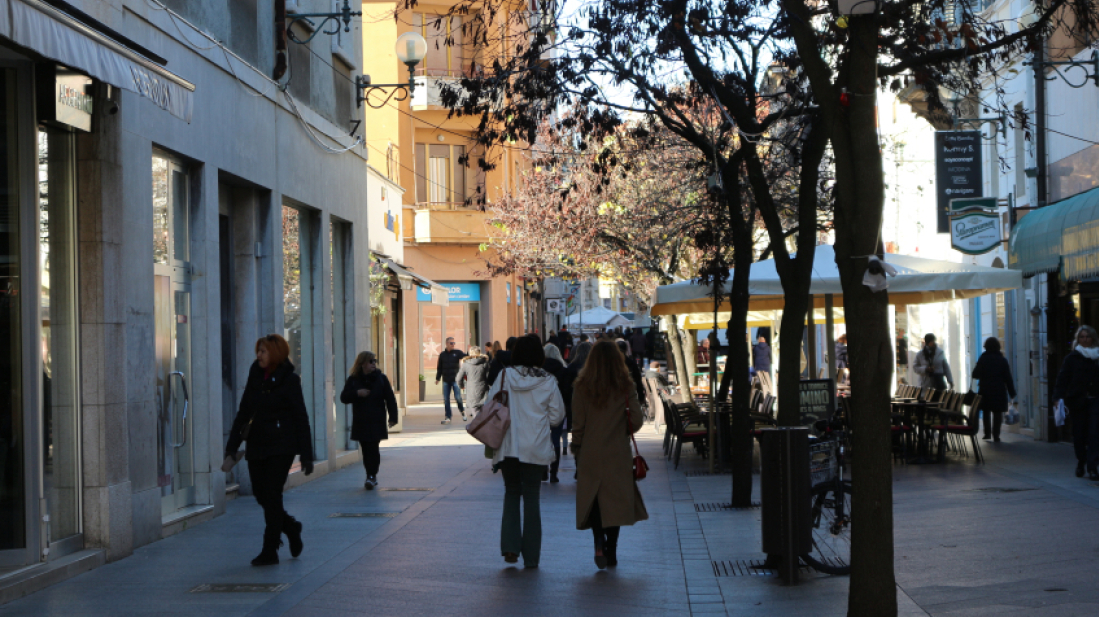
(966, 203)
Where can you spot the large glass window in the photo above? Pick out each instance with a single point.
(339, 241)
(12, 495)
(298, 275)
(58, 311)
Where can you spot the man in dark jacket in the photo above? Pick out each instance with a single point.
(761, 356)
(637, 346)
(447, 369)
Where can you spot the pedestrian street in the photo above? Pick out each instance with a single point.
(427, 543)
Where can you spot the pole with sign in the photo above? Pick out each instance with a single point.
(957, 171)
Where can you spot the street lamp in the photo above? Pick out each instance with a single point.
(954, 98)
(411, 49)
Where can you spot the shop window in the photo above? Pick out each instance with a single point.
(299, 309)
(58, 310)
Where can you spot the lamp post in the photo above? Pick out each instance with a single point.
(411, 49)
(954, 98)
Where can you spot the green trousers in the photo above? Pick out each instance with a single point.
(522, 480)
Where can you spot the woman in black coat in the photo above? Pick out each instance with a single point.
(996, 386)
(274, 423)
(370, 395)
(1078, 386)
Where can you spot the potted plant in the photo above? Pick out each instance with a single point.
(423, 389)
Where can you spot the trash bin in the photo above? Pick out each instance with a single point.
(784, 491)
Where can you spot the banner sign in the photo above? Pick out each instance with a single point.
(555, 305)
(817, 399)
(459, 292)
(957, 171)
(975, 233)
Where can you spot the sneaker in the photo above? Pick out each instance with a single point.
(370, 483)
(464, 419)
(373, 480)
(445, 421)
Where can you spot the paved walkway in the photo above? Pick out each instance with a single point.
(961, 549)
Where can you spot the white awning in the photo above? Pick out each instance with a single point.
(61, 37)
(439, 294)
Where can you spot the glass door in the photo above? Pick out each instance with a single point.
(172, 319)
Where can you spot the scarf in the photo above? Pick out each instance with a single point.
(1091, 353)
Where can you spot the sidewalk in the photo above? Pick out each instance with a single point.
(961, 549)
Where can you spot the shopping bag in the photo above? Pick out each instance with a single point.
(1059, 413)
(1012, 416)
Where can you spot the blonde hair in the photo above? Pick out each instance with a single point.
(604, 373)
(360, 360)
(474, 352)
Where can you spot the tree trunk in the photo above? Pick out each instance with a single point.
(690, 351)
(791, 330)
(676, 352)
(858, 218)
(736, 367)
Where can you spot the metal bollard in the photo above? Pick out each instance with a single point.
(784, 492)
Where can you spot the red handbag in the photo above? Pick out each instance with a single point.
(640, 467)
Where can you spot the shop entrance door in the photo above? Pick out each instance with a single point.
(172, 318)
(437, 324)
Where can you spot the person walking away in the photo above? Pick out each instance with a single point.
(606, 493)
(932, 367)
(565, 381)
(447, 370)
(638, 344)
(535, 403)
(500, 359)
(274, 423)
(841, 352)
(1078, 386)
(473, 378)
(761, 356)
(555, 365)
(488, 350)
(995, 385)
(372, 401)
(631, 366)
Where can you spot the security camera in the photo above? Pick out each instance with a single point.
(110, 108)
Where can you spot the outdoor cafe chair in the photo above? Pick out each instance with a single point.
(957, 424)
(683, 431)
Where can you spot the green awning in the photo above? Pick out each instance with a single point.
(1063, 235)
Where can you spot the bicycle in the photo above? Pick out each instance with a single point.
(830, 514)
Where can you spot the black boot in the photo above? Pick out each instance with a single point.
(610, 552)
(554, 466)
(269, 556)
(1080, 469)
(292, 528)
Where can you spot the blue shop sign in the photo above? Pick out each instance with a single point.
(459, 292)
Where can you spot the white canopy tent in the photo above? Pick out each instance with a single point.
(597, 317)
(918, 281)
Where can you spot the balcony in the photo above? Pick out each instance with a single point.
(429, 87)
(450, 223)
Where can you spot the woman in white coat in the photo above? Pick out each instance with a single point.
(536, 405)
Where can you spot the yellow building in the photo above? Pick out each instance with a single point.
(443, 229)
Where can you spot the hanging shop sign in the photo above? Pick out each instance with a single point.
(975, 233)
(957, 171)
(968, 203)
(64, 97)
(555, 305)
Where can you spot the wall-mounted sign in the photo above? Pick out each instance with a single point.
(459, 292)
(64, 97)
(555, 305)
(957, 171)
(975, 233)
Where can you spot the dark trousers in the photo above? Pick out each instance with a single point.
(522, 481)
(1085, 430)
(372, 456)
(448, 387)
(604, 536)
(268, 477)
(992, 420)
(559, 436)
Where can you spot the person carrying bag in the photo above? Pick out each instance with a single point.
(606, 414)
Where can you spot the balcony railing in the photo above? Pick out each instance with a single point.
(444, 205)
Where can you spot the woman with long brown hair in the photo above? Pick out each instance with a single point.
(605, 410)
(370, 395)
(274, 424)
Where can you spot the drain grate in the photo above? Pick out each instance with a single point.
(720, 507)
(405, 489)
(997, 489)
(363, 514)
(747, 567)
(700, 474)
(241, 588)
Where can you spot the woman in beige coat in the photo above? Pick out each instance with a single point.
(606, 492)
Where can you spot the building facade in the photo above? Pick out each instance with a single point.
(167, 203)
